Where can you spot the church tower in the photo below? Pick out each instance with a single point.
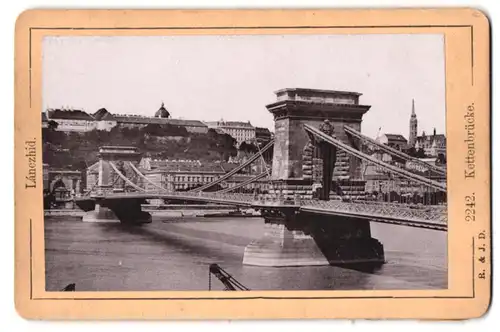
(413, 125)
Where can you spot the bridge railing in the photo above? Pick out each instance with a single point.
(434, 214)
(443, 208)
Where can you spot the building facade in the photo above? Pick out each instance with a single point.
(183, 175)
(240, 131)
(71, 120)
(381, 186)
(433, 145)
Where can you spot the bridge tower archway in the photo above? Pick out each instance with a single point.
(57, 183)
(296, 107)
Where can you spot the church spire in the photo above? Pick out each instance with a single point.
(412, 139)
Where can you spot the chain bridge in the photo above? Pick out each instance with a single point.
(312, 197)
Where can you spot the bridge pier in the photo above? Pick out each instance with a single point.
(307, 239)
(100, 214)
(125, 211)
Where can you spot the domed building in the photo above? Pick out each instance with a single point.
(162, 112)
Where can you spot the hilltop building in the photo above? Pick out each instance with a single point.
(240, 131)
(80, 121)
(433, 145)
(71, 120)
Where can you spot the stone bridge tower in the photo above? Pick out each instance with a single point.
(119, 156)
(296, 107)
(294, 238)
(98, 207)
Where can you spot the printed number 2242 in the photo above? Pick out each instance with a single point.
(470, 211)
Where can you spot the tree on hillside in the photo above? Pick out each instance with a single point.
(412, 152)
(420, 153)
(441, 159)
(248, 148)
(167, 129)
(223, 144)
(52, 125)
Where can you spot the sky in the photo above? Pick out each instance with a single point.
(234, 77)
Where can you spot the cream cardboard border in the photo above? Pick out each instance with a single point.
(466, 34)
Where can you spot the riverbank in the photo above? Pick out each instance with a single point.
(177, 211)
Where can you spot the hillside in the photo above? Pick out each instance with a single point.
(78, 150)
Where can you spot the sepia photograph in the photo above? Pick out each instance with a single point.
(244, 162)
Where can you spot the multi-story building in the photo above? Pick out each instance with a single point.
(382, 186)
(433, 145)
(181, 175)
(71, 120)
(240, 131)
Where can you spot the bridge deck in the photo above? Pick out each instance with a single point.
(434, 217)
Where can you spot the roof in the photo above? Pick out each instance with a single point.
(187, 123)
(69, 114)
(320, 91)
(395, 137)
(235, 124)
(162, 112)
(262, 131)
(130, 118)
(439, 137)
(124, 118)
(103, 114)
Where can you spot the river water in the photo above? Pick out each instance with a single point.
(173, 253)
